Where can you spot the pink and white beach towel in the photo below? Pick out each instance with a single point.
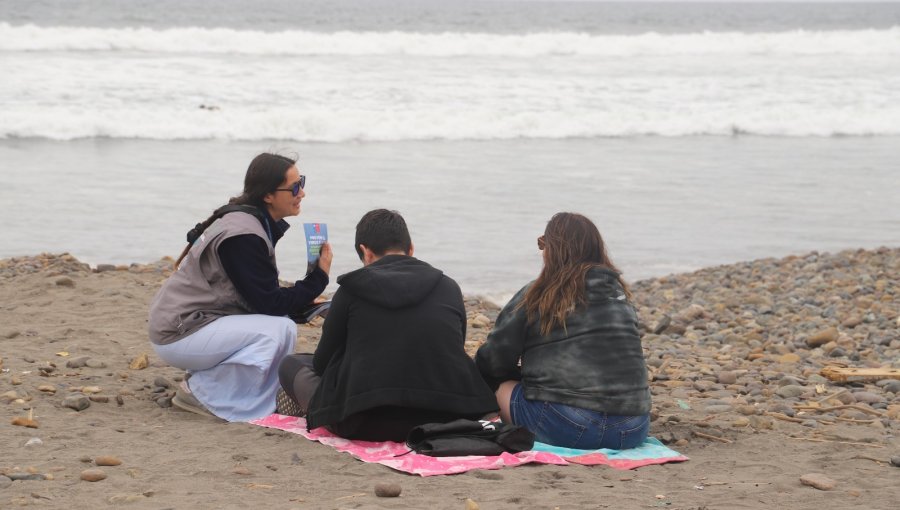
(398, 456)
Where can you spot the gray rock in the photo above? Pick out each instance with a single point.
(95, 363)
(895, 461)
(162, 382)
(662, 325)
(791, 391)
(26, 476)
(76, 402)
(789, 379)
(892, 386)
(837, 352)
(77, 362)
(727, 377)
(868, 397)
(5, 482)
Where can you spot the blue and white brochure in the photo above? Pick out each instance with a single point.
(316, 236)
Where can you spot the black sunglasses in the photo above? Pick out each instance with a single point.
(295, 189)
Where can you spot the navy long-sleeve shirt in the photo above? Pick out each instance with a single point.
(247, 263)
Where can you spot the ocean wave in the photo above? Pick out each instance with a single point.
(360, 126)
(192, 40)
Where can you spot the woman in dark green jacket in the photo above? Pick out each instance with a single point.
(565, 356)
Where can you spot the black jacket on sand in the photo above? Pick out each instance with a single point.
(595, 362)
(395, 338)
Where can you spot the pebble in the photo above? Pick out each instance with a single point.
(76, 402)
(472, 505)
(65, 281)
(139, 362)
(162, 382)
(77, 362)
(822, 337)
(747, 410)
(851, 322)
(895, 461)
(95, 363)
(26, 476)
(387, 490)
(892, 386)
(107, 460)
(102, 399)
(34, 441)
(743, 421)
(5, 481)
(762, 422)
(791, 391)
(868, 397)
(819, 481)
(480, 321)
(727, 377)
(93, 475)
(789, 358)
(47, 388)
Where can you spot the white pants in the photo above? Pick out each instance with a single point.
(233, 362)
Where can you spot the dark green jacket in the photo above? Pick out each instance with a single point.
(595, 362)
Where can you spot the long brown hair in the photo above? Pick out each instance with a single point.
(572, 245)
(265, 173)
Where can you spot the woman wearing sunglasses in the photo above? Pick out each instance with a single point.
(222, 316)
(565, 355)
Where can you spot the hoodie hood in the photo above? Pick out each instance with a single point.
(393, 281)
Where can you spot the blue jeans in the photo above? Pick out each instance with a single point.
(574, 427)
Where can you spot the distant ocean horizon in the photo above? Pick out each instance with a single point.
(693, 134)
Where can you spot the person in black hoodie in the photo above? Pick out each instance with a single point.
(392, 355)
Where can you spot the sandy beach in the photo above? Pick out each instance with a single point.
(736, 356)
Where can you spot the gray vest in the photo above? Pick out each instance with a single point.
(199, 291)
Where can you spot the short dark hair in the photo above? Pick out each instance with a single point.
(382, 230)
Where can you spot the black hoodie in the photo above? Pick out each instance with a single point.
(395, 336)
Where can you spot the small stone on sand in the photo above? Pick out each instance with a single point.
(387, 490)
(93, 475)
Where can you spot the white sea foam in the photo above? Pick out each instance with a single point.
(299, 42)
(191, 83)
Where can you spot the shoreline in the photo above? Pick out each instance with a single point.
(735, 353)
(651, 199)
